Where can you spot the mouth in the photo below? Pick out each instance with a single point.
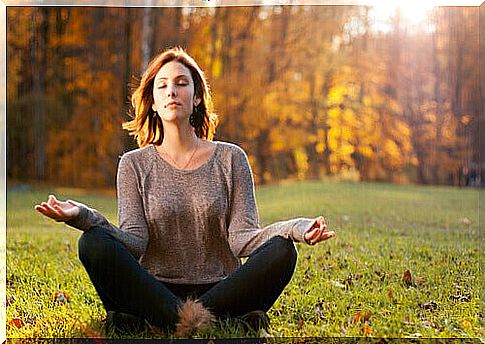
(172, 104)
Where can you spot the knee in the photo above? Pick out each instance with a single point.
(285, 249)
(92, 245)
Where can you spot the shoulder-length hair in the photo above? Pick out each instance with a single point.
(146, 126)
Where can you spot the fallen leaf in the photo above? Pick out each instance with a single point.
(390, 294)
(407, 278)
(89, 331)
(342, 329)
(61, 297)
(416, 335)
(357, 317)
(367, 330)
(17, 322)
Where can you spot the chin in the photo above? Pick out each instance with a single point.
(173, 118)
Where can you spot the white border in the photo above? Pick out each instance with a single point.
(211, 3)
(121, 3)
(3, 167)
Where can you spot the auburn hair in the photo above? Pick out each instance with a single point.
(146, 126)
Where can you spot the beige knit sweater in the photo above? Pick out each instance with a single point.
(188, 226)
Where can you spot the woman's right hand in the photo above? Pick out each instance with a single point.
(60, 211)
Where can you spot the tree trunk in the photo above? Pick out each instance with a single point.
(39, 65)
(147, 34)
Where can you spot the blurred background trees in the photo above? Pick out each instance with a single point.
(307, 91)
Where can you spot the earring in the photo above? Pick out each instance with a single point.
(193, 117)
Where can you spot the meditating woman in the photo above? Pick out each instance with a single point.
(187, 214)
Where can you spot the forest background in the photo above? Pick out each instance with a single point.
(307, 91)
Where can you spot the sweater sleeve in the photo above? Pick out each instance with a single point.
(133, 231)
(245, 233)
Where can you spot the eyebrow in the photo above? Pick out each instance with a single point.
(177, 77)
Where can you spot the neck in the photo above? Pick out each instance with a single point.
(178, 139)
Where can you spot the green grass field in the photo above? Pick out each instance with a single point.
(352, 285)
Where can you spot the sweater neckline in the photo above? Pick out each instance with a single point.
(173, 168)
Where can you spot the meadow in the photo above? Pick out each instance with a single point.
(405, 263)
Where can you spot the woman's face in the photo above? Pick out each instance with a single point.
(173, 93)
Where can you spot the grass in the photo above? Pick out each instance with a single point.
(350, 286)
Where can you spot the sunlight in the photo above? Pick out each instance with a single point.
(412, 11)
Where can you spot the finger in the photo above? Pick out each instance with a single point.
(309, 235)
(314, 225)
(59, 209)
(316, 238)
(327, 235)
(320, 220)
(313, 234)
(39, 208)
(46, 212)
(55, 210)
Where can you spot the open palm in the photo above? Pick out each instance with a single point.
(58, 210)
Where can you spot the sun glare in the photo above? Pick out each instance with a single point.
(414, 12)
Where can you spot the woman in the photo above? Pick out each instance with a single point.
(187, 214)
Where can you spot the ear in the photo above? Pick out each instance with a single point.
(197, 101)
(154, 108)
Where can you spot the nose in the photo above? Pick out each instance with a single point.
(171, 92)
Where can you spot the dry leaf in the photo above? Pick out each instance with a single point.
(367, 330)
(89, 331)
(17, 322)
(407, 278)
(391, 295)
(61, 297)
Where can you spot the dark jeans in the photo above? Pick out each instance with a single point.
(124, 286)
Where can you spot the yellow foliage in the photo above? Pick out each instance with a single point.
(334, 113)
(320, 147)
(336, 95)
(366, 151)
(349, 116)
(301, 160)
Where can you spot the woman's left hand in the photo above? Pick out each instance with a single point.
(318, 232)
